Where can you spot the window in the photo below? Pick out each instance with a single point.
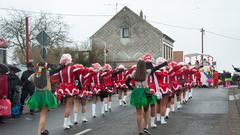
(125, 32)
(163, 51)
(167, 52)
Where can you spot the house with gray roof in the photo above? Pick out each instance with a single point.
(128, 36)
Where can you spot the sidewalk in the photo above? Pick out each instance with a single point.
(234, 111)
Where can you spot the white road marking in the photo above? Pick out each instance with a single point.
(231, 97)
(84, 131)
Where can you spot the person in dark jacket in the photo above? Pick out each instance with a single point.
(14, 91)
(14, 84)
(27, 86)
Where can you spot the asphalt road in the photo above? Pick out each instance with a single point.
(205, 114)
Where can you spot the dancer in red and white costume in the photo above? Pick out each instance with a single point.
(162, 77)
(197, 77)
(192, 71)
(96, 88)
(174, 84)
(181, 81)
(67, 87)
(152, 84)
(108, 85)
(83, 93)
(120, 78)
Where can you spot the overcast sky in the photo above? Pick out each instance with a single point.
(219, 16)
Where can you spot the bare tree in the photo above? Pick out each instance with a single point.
(12, 28)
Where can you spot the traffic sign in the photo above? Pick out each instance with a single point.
(43, 53)
(43, 38)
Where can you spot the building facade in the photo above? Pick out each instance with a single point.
(128, 36)
(178, 56)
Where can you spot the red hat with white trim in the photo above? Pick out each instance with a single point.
(96, 66)
(121, 66)
(107, 67)
(148, 57)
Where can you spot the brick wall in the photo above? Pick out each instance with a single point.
(178, 56)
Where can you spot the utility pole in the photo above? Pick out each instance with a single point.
(202, 33)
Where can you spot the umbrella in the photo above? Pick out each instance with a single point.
(3, 68)
(236, 69)
(14, 68)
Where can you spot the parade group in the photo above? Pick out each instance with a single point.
(152, 86)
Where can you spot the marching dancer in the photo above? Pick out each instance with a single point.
(108, 85)
(162, 77)
(83, 93)
(141, 97)
(120, 85)
(174, 84)
(96, 88)
(152, 84)
(42, 99)
(68, 88)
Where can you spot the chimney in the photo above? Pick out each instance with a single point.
(141, 14)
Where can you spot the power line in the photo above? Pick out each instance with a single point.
(221, 35)
(58, 14)
(193, 28)
(106, 15)
(175, 26)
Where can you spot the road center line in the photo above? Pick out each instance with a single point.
(84, 131)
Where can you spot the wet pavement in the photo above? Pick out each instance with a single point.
(206, 114)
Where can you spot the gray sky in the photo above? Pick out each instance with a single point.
(219, 16)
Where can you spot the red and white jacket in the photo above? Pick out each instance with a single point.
(107, 81)
(82, 75)
(95, 79)
(67, 77)
(163, 81)
(120, 79)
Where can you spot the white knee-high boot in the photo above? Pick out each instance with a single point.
(84, 119)
(65, 123)
(75, 118)
(102, 108)
(179, 106)
(167, 113)
(163, 120)
(120, 102)
(172, 108)
(186, 96)
(158, 117)
(152, 124)
(69, 121)
(110, 106)
(125, 99)
(94, 110)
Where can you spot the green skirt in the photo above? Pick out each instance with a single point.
(42, 98)
(139, 98)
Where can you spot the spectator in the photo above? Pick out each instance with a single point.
(228, 77)
(215, 79)
(14, 90)
(197, 65)
(223, 78)
(198, 79)
(28, 86)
